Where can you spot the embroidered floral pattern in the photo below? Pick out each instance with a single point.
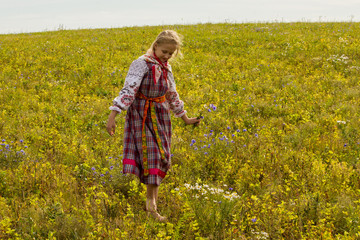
(137, 70)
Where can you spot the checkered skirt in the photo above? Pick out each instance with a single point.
(133, 154)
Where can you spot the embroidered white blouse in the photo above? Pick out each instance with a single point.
(135, 75)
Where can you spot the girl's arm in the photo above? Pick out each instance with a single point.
(176, 105)
(133, 80)
(127, 94)
(111, 125)
(190, 120)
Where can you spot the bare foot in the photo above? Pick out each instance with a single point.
(151, 210)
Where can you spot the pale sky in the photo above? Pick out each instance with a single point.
(21, 16)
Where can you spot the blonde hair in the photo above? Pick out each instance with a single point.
(167, 36)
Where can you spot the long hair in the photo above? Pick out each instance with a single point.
(167, 36)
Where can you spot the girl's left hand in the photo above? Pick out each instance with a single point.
(189, 121)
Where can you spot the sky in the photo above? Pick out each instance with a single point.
(23, 16)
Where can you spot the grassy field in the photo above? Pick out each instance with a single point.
(276, 156)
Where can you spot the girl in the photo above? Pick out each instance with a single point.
(148, 94)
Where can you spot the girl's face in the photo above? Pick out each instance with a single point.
(164, 51)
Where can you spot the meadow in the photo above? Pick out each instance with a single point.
(275, 157)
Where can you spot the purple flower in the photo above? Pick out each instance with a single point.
(238, 130)
(193, 141)
(21, 141)
(228, 128)
(256, 135)
(205, 153)
(254, 220)
(112, 167)
(93, 168)
(345, 145)
(209, 110)
(101, 175)
(231, 189)
(214, 108)
(244, 130)
(205, 135)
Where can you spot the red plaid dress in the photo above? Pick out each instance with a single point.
(147, 143)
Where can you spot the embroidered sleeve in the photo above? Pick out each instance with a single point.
(136, 72)
(176, 105)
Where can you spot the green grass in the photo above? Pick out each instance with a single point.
(284, 135)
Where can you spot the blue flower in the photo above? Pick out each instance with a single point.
(238, 130)
(209, 110)
(21, 141)
(244, 130)
(193, 141)
(228, 128)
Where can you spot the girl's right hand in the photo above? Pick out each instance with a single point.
(111, 125)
